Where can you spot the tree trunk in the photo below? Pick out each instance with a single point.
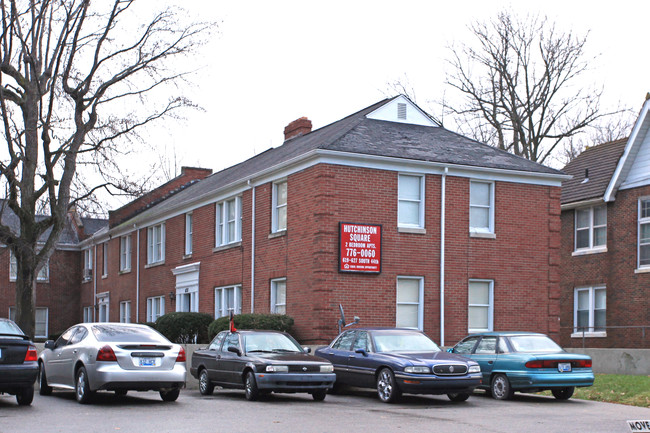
(25, 298)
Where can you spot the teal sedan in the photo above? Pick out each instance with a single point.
(525, 362)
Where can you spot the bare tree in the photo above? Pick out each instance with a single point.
(520, 86)
(75, 77)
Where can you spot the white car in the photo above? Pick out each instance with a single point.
(118, 357)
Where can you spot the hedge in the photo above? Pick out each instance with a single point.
(184, 328)
(275, 322)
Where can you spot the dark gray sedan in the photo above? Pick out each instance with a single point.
(18, 367)
(260, 362)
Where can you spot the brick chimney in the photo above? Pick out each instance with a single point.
(297, 128)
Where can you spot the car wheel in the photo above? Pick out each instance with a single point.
(205, 386)
(82, 391)
(563, 393)
(121, 392)
(24, 396)
(500, 388)
(250, 386)
(43, 387)
(387, 387)
(458, 396)
(170, 395)
(319, 395)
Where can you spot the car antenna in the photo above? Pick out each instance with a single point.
(341, 321)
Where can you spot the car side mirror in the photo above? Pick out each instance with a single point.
(234, 349)
(49, 344)
(450, 350)
(307, 349)
(361, 351)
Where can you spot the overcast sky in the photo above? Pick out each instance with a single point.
(271, 62)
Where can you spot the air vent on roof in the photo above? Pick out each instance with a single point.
(401, 111)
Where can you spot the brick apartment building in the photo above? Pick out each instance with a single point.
(385, 212)
(606, 243)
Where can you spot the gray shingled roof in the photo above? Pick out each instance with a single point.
(601, 161)
(360, 135)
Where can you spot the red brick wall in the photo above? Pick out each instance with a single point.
(628, 303)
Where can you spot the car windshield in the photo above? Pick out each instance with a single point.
(7, 327)
(534, 343)
(403, 342)
(127, 334)
(270, 342)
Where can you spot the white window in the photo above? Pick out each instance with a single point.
(410, 201)
(88, 314)
(41, 325)
(591, 228)
(43, 275)
(227, 299)
(409, 302)
(102, 304)
(88, 264)
(188, 233)
(590, 308)
(125, 312)
(155, 308)
(187, 300)
(229, 221)
(480, 305)
(644, 233)
(279, 296)
(481, 207)
(156, 244)
(279, 216)
(125, 253)
(105, 259)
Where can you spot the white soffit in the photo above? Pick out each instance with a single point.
(401, 110)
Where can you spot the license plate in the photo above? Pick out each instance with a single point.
(147, 362)
(564, 367)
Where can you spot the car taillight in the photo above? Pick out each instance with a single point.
(106, 354)
(581, 363)
(181, 355)
(31, 354)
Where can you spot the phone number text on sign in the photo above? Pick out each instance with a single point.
(360, 247)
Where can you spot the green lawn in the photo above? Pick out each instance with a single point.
(618, 388)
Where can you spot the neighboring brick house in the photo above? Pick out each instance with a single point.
(469, 235)
(606, 243)
(57, 295)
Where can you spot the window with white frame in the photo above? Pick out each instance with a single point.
(88, 264)
(644, 233)
(409, 302)
(279, 216)
(88, 314)
(42, 276)
(125, 312)
(279, 296)
(410, 201)
(41, 325)
(155, 308)
(480, 305)
(590, 308)
(591, 228)
(229, 221)
(227, 299)
(156, 243)
(188, 233)
(187, 299)
(102, 308)
(481, 207)
(105, 259)
(125, 253)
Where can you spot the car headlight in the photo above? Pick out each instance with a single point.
(417, 369)
(327, 368)
(277, 368)
(474, 369)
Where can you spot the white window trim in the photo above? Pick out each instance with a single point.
(490, 305)
(420, 303)
(125, 253)
(220, 291)
(189, 226)
(12, 316)
(420, 201)
(161, 310)
(221, 222)
(641, 221)
(592, 312)
(125, 312)
(105, 259)
(193, 293)
(88, 264)
(591, 249)
(483, 230)
(88, 314)
(103, 300)
(274, 288)
(275, 207)
(151, 246)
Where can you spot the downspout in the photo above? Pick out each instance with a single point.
(94, 264)
(442, 256)
(252, 250)
(137, 277)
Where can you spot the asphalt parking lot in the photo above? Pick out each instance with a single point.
(356, 410)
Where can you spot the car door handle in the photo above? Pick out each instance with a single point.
(351, 356)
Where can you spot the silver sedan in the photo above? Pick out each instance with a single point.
(118, 357)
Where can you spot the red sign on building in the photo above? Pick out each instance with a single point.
(359, 248)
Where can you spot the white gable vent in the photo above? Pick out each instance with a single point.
(401, 111)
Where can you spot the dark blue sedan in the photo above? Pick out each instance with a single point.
(396, 361)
